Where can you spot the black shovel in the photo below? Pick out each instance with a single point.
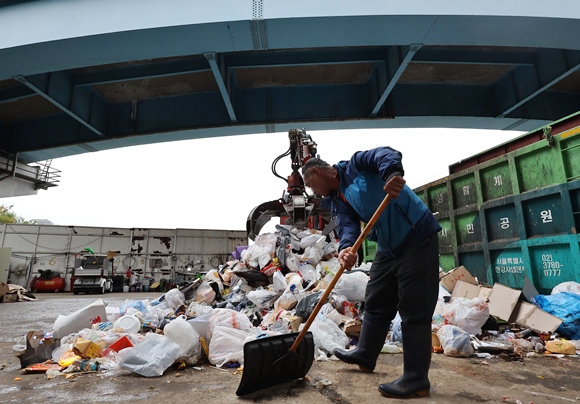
(283, 358)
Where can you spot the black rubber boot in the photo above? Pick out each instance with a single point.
(372, 339)
(416, 362)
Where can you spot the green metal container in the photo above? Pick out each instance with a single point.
(514, 210)
(369, 250)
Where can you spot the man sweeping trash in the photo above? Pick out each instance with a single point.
(404, 275)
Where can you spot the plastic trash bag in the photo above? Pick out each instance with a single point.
(262, 298)
(396, 333)
(173, 298)
(352, 285)
(307, 304)
(455, 341)
(227, 345)
(204, 293)
(566, 306)
(228, 318)
(327, 335)
(309, 273)
(183, 333)
(139, 305)
(292, 263)
(572, 287)
(279, 281)
(468, 314)
(151, 357)
(313, 255)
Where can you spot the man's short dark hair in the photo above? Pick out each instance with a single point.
(313, 162)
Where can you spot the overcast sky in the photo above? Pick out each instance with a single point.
(214, 183)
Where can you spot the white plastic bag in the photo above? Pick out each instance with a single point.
(312, 254)
(182, 333)
(309, 273)
(227, 345)
(204, 293)
(228, 318)
(571, 286)
(174, 298)
(468, 314)
(455, 341)
(262, 298)
(352, 285)
(279, 281)
(327, 335)
(151, 357)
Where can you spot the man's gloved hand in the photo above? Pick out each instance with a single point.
(347, 258)
(394, 186)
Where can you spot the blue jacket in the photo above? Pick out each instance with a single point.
(405, 221)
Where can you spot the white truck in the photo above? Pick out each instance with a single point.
(93, 273)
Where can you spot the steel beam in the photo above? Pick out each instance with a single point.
(476, 56)
(221, 85)
(539, 90)
(52, 100)
(412, 50)
(15, 93)
(116, 74)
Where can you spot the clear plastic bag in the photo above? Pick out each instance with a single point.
(352, 285)
(262, 298)
(468, 314)
(279, 281)
(227, 345)
(312, 254)
(204, 293)
(174, 298)
(327, 335)
(151, 357)
(455, 341)
(309, 273)
(228, 318)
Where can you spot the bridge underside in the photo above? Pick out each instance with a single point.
(121, 89)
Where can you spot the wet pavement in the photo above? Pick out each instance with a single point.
(537, 379)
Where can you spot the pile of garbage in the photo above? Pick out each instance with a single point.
(271, 289)
(475, 319)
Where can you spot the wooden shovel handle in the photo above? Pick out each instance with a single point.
(366, 231)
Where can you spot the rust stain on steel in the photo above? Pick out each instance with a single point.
(165, 240)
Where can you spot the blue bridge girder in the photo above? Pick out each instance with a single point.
(99, 75)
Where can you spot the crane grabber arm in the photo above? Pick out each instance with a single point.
(295, 207)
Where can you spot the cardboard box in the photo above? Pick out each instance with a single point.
(293, 321)
(9, 298)
(531, 316)
(502, 301)
(458, 274)
(3, 289)
(464, 289)
(87, 348)
(38, 348)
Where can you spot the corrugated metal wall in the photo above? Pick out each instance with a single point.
(150, 253)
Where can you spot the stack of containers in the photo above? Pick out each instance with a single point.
(514, 210)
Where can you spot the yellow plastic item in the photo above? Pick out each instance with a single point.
(561, 346)
(68, 358)
(204, 346)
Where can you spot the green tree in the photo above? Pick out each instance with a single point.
(8, 216)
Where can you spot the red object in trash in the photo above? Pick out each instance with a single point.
(121, 343)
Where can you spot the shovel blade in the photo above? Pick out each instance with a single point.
(268, 361)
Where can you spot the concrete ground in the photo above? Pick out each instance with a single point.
(536, 380)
